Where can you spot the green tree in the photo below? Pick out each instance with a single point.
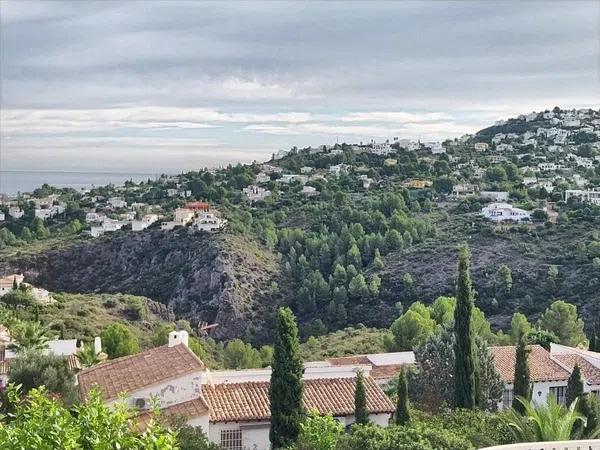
(519, 327)
(378, 263)
(412, 328)
(574, 386)
(358, 288)
(550, 422)
(521, 381)
(319, 432)
(542, 337)
(361, 413)
(118, 340)
(562, 320)
(353, 256)
(88, 357)
(464, 367)
(43, 423)
(161, 334)
(589, 406)
(402, 412)
(239, 355)
(285, 391)
(28, 336)
(505, 278)
(33, 369)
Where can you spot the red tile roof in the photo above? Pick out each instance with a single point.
(131, 373)
(589, 372)
(250, 401)
(542, 366)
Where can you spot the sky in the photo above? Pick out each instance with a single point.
(151, 86)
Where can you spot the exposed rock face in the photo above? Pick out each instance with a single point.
(201, 277)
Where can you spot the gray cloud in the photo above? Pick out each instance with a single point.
(263, 75)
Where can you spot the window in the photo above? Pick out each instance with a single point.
(507, 398)
(231, 439)
(559, 394)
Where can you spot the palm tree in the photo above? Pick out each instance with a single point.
(28, 336)
(550, 422)
(88, 357)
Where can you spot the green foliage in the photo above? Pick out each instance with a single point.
(589, 406)
(18, 298)
(161, 334)
(240, 355)
(118, 340)
(574, 386)
(43, 423)
(190, 437)
(550, 422)
(542, 337)
(521, 380)
(34, 369)
(562, 320)
(361, 413)
(412, 328)
(135, 308)
(402, 416)
(464, 367)
(88, 357)
(28, 336)
(319, 432)
(285, 390)
(519, 327)
(414, 437)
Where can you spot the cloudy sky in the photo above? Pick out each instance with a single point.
(153, 86)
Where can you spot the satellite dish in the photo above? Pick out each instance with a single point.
(140, 403)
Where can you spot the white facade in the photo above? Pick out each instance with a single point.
(481, 146)
(382, 149)
(183, 215)
(592, 197)
(209, 222)
(15, 212)
(2, 216)
(255, 193)
(309, 191)
(500, 212)
(117, 202)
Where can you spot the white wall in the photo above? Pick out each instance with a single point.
(255, 435)
(539, 392)
(171, 392)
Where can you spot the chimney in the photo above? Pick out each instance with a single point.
(178, 337)
(97, 345)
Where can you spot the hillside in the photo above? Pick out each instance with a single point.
(202, 278)
(344, 234)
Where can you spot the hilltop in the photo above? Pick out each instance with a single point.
(345, 234)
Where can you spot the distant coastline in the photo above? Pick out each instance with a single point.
(15, 181)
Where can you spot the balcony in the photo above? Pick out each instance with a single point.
(562, 445)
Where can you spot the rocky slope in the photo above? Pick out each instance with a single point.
(202, 278)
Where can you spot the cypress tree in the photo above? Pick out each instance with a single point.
(521, 382)
(402, 413)
(15, 285)
(285, 391)
(361, 414)
(464, 349)
(574, 386)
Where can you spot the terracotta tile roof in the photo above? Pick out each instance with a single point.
(349, 360)
(130, 373)
(250, 401)
(542, 367)
(190, 409)
(590, 373)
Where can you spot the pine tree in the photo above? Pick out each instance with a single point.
(464, 368)
(285, 391)
(402, 413)
(521, 384)
(574, 386)
(361, 414)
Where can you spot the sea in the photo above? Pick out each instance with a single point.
(15, 181)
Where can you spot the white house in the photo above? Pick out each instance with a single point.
(481, 146)
(382, 149)
(94, 217)
(337, 169)
(592, 197)
(255, 193)
(504, 148)
(117, 202)
(7, 282)
(262, 178)
(2, 216)
(289, 178)
(435, 147)
(549, 167)
(15, 212)
(231, 407)
(309, 191)
(208, 221)
(183, 215)
(464, 190)
(306, 169)
(494, 196)
(147, 220)
(501, 212)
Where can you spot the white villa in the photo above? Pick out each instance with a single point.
(501, 212)
(382, 149)
(231, 407)
(208, 221)
(464, 190)
(592, 197)
(255, 193)
(481, 146)
(15, 212)
(7, 283)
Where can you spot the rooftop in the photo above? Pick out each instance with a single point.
(249, 401)
(131, 373)
(542, 366)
